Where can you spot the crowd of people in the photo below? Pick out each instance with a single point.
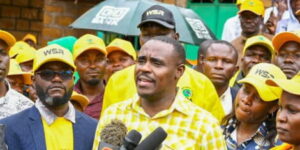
(243, 94)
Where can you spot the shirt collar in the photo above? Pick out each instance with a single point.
(226, 94)
(232, 125)
(179, 105)
(50, 117)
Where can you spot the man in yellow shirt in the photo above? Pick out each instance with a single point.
(159, 102)
(195, 86)
(52, 123)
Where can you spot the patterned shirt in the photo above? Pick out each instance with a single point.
(189, 127)
(13, 102)
(256, 142)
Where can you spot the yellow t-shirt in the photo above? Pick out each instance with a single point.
(194, 86)
(58, 135)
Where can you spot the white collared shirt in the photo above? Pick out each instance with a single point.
(226, 99)
(13, 102)
(232, 29)
(50, 116)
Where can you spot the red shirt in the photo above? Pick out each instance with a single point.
(95, 106)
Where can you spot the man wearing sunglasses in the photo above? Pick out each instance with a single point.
(11, 101)
(53, 123)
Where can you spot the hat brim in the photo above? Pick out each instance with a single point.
(163, 23)
(111, 49)
(81, 100)
(269, 47)
(9, 39)
(250, 11)
(263, 90)
(26, 76)
(52, 60)
(284, 37)
(91, 47)
(289, 86)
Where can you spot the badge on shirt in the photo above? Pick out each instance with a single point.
(187, 92)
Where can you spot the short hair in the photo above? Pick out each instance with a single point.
(178, 48)
(206, 44)
(203, 47)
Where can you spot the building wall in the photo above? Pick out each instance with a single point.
(59, 14)
(21, 17)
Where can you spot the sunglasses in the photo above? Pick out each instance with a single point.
(50, 74)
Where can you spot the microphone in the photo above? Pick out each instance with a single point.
(154, 140)
(131, 140)
(112, 135)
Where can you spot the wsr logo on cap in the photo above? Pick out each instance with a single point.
(264, 73)
(155, 12)
(54, 51)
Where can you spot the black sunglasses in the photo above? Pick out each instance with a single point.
(50, 74)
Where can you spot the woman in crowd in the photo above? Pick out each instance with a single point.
(251, 125)
(288, 116)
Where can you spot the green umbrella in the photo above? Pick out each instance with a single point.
(123, 16)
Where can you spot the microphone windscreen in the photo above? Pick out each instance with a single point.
(113, 133)
(154, 140)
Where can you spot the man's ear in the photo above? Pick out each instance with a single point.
(177, 36)
(33, 79)
(179, 71)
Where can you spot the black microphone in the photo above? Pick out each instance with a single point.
(154, 140)
(131, 140)
(112, 135)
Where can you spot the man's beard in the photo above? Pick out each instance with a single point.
(53, 101)
(93, 82)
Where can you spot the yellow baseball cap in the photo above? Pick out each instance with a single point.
(121, 45)
(259, 40)
(8, 38)
(15, 69)
(81, 99)
(291, 86)
(257, 77)
(255, 6)
(52, 53)
(26, 55)
(283, 37)
(239, 2)
(87, 42)
(18, 48)
(30, 37)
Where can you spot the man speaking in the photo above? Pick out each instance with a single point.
(159, 103)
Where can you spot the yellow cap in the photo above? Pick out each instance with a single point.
(239, 2)
(121, 45)
(81, 99)
(255, 6)
(257, 77)
(15, 69)
(26, 55)
(18, 48)
(30, 37)
(87, 42)
(291, 86)
(259, 40)
(8, 38)
(52, 53)
(284, 37)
